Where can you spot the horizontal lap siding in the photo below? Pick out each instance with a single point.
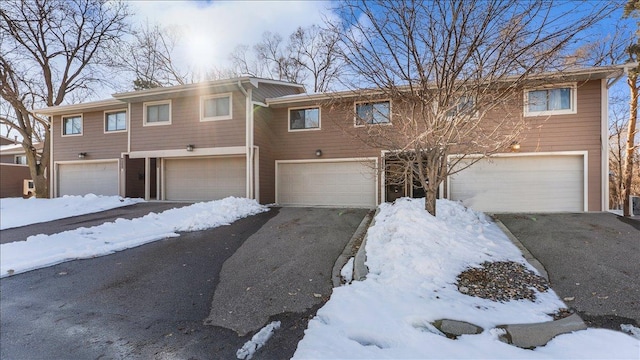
(264, 139)
(12, 180)
(186, 127)
(576, 132)
(93, 140)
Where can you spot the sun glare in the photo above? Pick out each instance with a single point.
(200, 49)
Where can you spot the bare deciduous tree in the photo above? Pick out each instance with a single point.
(308, 56)
(631, 9)
(454, 72)
(51, 50)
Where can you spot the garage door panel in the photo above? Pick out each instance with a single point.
(522, 184)
(341, 184)
(99, 178)
(205, 178)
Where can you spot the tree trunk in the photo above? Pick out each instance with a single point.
(631, 133)
(430, 200)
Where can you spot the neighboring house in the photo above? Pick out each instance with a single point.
(271, 141)
(13, 168)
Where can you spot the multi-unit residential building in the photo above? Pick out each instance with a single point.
(273, 142)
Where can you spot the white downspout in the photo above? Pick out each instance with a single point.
(248, 140)
(52, 174)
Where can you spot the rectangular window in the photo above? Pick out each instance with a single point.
(464, 107)
(553, 101)
(373, 113)
(21, 159)
(115, 121)
(304, 119)
(157, 113)
(72, 125)
(215, 107)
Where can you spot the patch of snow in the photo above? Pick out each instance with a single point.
(414, 259)
(347, 271)
(45, 250)
(16, 212)
(634, 331)
(257, 341)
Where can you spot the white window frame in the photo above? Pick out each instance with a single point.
(216, 96)
(355, 109)
(573, 101)
(304, 108)
(64, 117)
(126, 121)
(154, 103)
(16, 157)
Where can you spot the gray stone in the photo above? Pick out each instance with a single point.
(455, 328)
(529, 336)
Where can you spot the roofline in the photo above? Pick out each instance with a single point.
(608, 72)
(65, 109)
(253, 81)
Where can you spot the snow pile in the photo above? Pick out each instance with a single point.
(634, 331)
(346, 273)
(46, 250)
(414, 259)
(257, 341)
(16, 212)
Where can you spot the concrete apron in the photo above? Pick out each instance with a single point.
(284, 267)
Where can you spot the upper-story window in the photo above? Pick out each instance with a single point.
(215, 107)
(464, 107)
(21, 159)
(371, 113)
(550, 101)
(157, 113)
(72, 125)
(115, 121)
(304, 119)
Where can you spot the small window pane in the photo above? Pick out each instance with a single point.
(217, 107)
(538, 100)
(116, 121)
(373, 113)
(158, 113)
(72, 125)
(560, 99)
(21, 159)
(304, 119)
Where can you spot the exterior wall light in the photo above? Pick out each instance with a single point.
(318, 153)
(82, 155)
(190, 147)
(515, 146)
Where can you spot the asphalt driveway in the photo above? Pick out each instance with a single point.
(591, 259)
(152, 301)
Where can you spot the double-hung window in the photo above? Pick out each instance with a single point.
(464, 107)
(216, 107)
(157, 113)
(373, 113)
(72, 125)
(115, 121)
(21, 159)
(304, 119)
(550, 101)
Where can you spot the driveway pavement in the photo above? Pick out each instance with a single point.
(151, 302)
(592, 261)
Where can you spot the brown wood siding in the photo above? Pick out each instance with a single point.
(8, 159)
(12, 180)
(576, 132)
(263, 138)
(186, 127)
(93, 140)
(265, 91)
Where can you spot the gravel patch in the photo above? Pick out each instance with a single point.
(501, 281)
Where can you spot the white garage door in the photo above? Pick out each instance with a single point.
(204, 178)
(340, 184)
(522, 184)
(100, 178)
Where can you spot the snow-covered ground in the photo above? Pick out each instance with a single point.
(16, 212)
(46, 250)
(414, 259)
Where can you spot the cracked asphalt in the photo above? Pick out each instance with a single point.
(151, 301)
